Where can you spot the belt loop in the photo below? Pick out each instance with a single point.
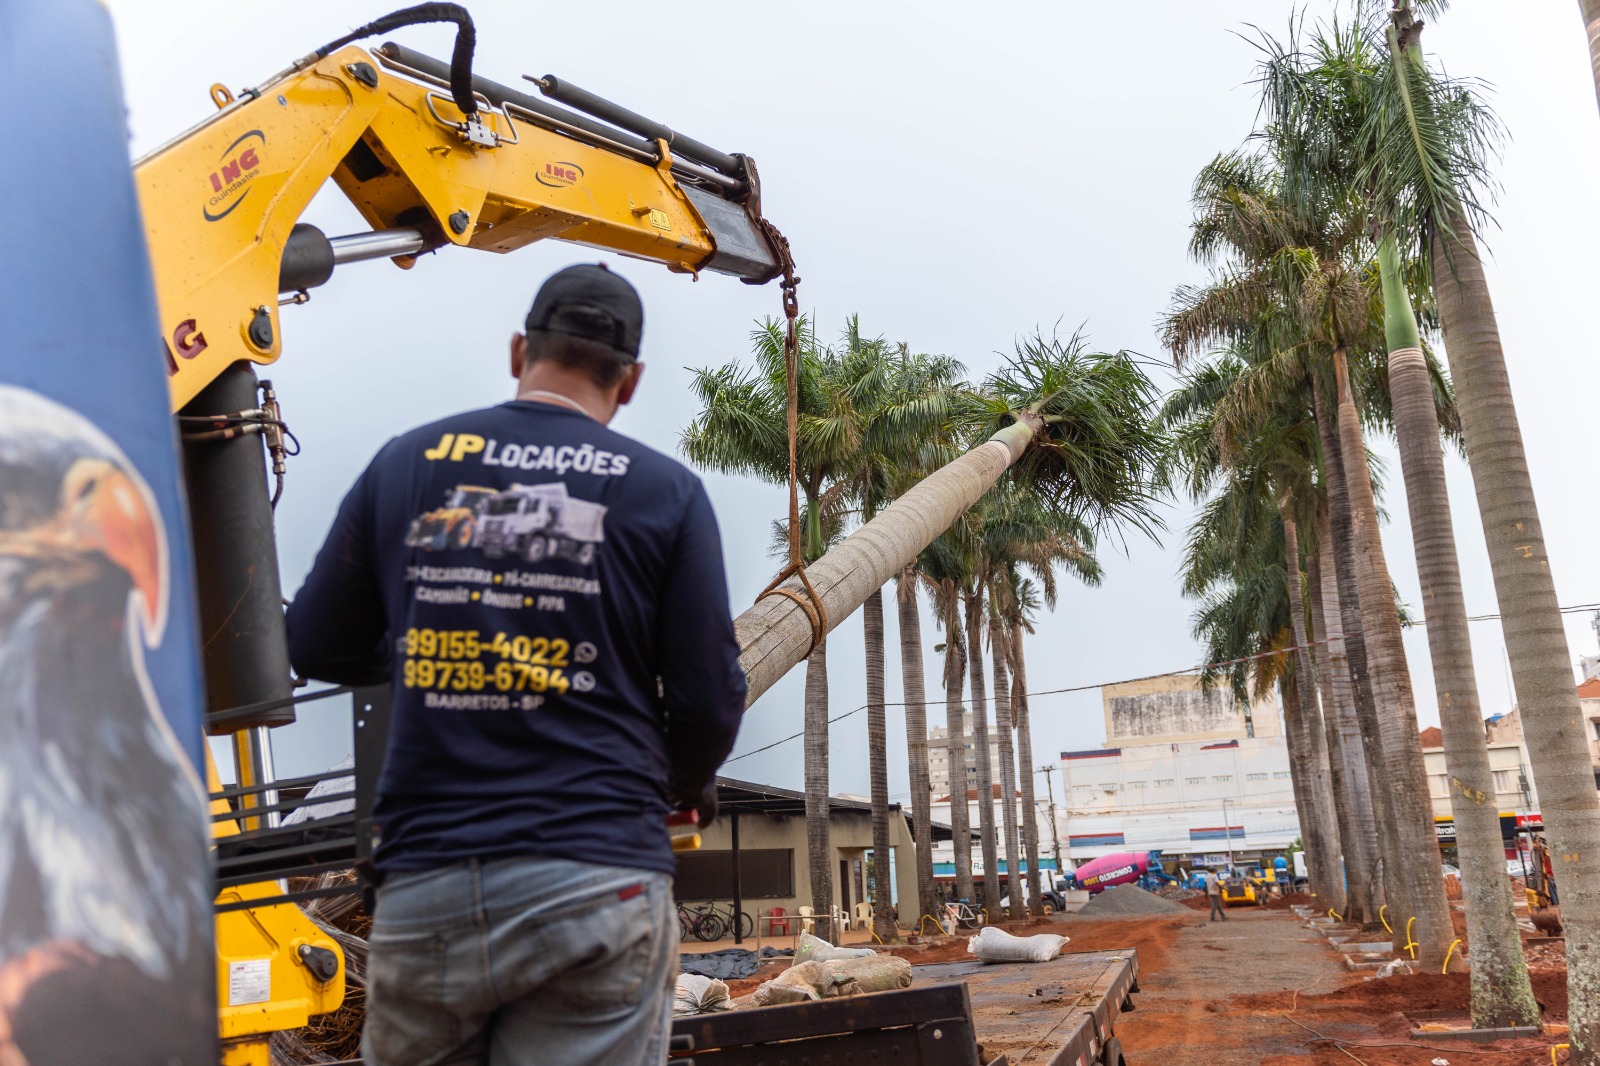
(480, 916)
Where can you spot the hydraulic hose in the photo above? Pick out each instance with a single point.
(421, 14)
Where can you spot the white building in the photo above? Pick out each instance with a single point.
(1190, 772)
(944, 851)
(938, 757)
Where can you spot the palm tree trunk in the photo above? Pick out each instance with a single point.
(955, 739)
(972, 602)
(883, 923)
(1308, 746)
(1358, 826)
(1591, 23)
(775, 633)
(1008, 766)
(1030, 811)
(1420, 875)
(1531, 621)
(1502, 994)
(819, 851)
(916, 738)
(1341, 554)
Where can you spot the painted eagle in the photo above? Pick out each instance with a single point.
(103, 879)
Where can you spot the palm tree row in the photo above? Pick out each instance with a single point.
(874, 420)
(1353, 208)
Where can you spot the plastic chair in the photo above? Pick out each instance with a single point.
(808, 918)
(774, 919)
(863, 916)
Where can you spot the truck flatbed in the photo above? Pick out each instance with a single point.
(1061, 1013)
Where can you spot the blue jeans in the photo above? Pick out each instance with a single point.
(520, 961)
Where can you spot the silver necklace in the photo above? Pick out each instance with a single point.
(558, 398)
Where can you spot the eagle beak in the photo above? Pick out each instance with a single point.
(108, 511)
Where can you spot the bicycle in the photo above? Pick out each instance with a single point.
(960, 913)
(703, 922)
(747, 924)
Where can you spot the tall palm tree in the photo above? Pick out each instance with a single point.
(911, 674)
(1256, 478)
(972, 611)
(1352, 782)
(912, 402)
(1020, 532)
(940, 567)
(1429, 141)
(740, 430)
(1025, 600)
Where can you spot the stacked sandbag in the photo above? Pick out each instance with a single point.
(697, 994)
(810, 981)
(997, 945)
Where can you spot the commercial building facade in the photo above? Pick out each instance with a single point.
(1185, 770)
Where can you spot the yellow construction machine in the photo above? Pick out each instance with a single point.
(433, 157)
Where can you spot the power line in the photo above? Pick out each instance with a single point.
(1575, 609)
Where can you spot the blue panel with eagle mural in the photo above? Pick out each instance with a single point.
(105, 884)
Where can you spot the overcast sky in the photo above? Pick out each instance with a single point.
(957, 175)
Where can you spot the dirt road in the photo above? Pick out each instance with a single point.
(1260, 988)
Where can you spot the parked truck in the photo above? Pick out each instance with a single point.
(538, 522)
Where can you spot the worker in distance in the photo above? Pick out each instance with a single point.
(547, 599)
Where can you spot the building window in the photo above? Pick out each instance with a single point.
(764, 873)
(1255, 777)
(1280, 775)
(1505, 780)
(1222, 779)
(1135, 784)
(1194, 780)
(1163, 782)
(1440, 785)
(1110, 786)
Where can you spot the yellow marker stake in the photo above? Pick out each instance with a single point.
(1384, 920)
(1446, 967)
(1411, 945)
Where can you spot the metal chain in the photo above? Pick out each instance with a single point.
(810, 602)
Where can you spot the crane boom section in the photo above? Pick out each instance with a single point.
(222, 201)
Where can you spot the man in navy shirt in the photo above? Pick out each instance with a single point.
(547, 598)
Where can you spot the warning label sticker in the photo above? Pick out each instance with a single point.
(249, 981)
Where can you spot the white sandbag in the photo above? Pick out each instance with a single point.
(815, 949)
(996, 945)
(699, 995)
(812, 981)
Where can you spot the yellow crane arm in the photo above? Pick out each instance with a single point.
(222, 202)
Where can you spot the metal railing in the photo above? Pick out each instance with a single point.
(307, 846)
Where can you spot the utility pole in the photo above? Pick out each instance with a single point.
(1055, 833)
(1227, 833)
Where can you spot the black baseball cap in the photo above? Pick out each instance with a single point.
(591, 302)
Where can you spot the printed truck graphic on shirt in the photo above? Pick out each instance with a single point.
(532, 522)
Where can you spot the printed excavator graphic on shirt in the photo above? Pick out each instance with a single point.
(532, 522)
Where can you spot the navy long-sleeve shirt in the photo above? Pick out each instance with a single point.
(548, 599)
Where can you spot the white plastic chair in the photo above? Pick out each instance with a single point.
(863, 918)
(808, 918)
